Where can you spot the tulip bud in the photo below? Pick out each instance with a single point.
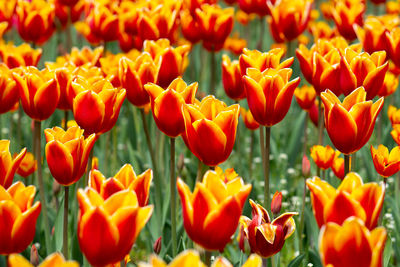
(276, 203)
(305, 166)
(181, 162)
(157, 246)
(34, 256)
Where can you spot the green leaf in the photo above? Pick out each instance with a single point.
(387, 254)
(297, 261)
(58, 227)
(314, 258)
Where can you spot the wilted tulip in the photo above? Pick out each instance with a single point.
(39, 92)
(210, 121)
(18, 216)
(351, 244)
(217, 200)
(305, 96)
(9, 165)
(350, 123)
(266, 237)
(386, 164)
(232, 78)
(125, 178)
(35, 20)
(107, 229)
(269, 94)
(323, 156)
(347, 14)
(248, 119)
(67, 153)
(167, 104)
(351, 198)
(55, 259)
(27, 166)
(19, 56)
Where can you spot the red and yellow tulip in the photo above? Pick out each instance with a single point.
(323, 156)
(8, 164)
(386, 164)
(27, 166)
(53, 260)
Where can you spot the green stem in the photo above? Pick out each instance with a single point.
(262, 151)
(266, 174)
(213, 70)
(42, 193)
(347, 164)
(19, 131)
(200, 172)
(172, 183)
(301, 227)
(65, 120)
(207, 257)
(65, 233)
(89, 168)
(320, 122)
(251, 155)
(262, 28)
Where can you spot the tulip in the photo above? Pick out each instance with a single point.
(107, 229)
(395, 133)
(69, 11)
(350, 123)
(189, 26)
(269, 94)
(305, 96)
(9, 94)
(7, 12)
(109, 65)
(166, 105)
(263, 61)
(266, 238)
(125, 179)
(362, 70)
(392, 7)
(18, 217)
(55, 259)
(215, 25)
(288, 18)
(323, 156)
(394, 115)
(213, 121)
(9, 165)
(393, 45)
(217, 200)
(346, 15)
(389, 85)
(258, 7)
(39, 92)
(248, 119)
(171, 61)
(351, 198)
(338, 166)
(85, 55)
(27, 166)
(386, 164)
(67, 153)
(232, 79)
(305, 166)
(35, 20)
(96, 108)
(351, 244)
(235, 44)
(19, 56)
(322, 30)
(276, 203)
(134, 75)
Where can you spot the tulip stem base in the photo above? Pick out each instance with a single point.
(266, 174)
(65, 126)
(173, 197)
(65, 230)
(207, 257)
(42, 194)
(347, 164)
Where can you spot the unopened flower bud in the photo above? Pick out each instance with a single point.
(305, 166)
(157, 246)
(276, 203)
(34, 256)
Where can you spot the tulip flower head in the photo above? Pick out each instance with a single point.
(19, 56)
(7, 10)
(266, 237)
(67, 153)
(235, 44)
(258, 7)
(213, 122)
(55, 259)
(346, 15)
(305, 96)
(386, 164)
(85, 55)
(71, 10)
(351, 244)
(218, 200)
(323, 156)
(125, 178)
(9, 94)
(248, 119)
(107, 228)
(189, 26)
(390, 84)
(18, 217)
(167, 104)
(27, 166)
(232, 78)
(338, 166)
(393, 45)
(269, 94)
(351, 198)
(395, 133)
(350, 123)
(9, 165)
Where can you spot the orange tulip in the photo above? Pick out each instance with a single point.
(347, 14)
(215, 25)
(171, 61)
(394, 115)
(269, 94)
(9, 165)
(107, 229)
(351, 244)
(262, 61)
(362, 70)
(258, 7)
(393, 45)
(289, 18)
(393, 7)
(125, 178)
(390, 84)
(35, 20)
(350, 123)
(351, 198)
(386, 164)
(9, 94)
(232, 78)
(338, 166)
(27, 166)
(266, 237)
(235, 44)
(53, 260)
(19, 56)
(85, 55)
(189, 26)
(39, 92)
(210, 121)
(249, 120)
(96, 108)
(322, 30)
(217, 201)
(18, 217)
(323, 156)
(134, 74)
(305, 96)
(68, 11)
(7, 10)
(166, 105)
(67, 153)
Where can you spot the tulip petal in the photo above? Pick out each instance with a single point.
(60, 162)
